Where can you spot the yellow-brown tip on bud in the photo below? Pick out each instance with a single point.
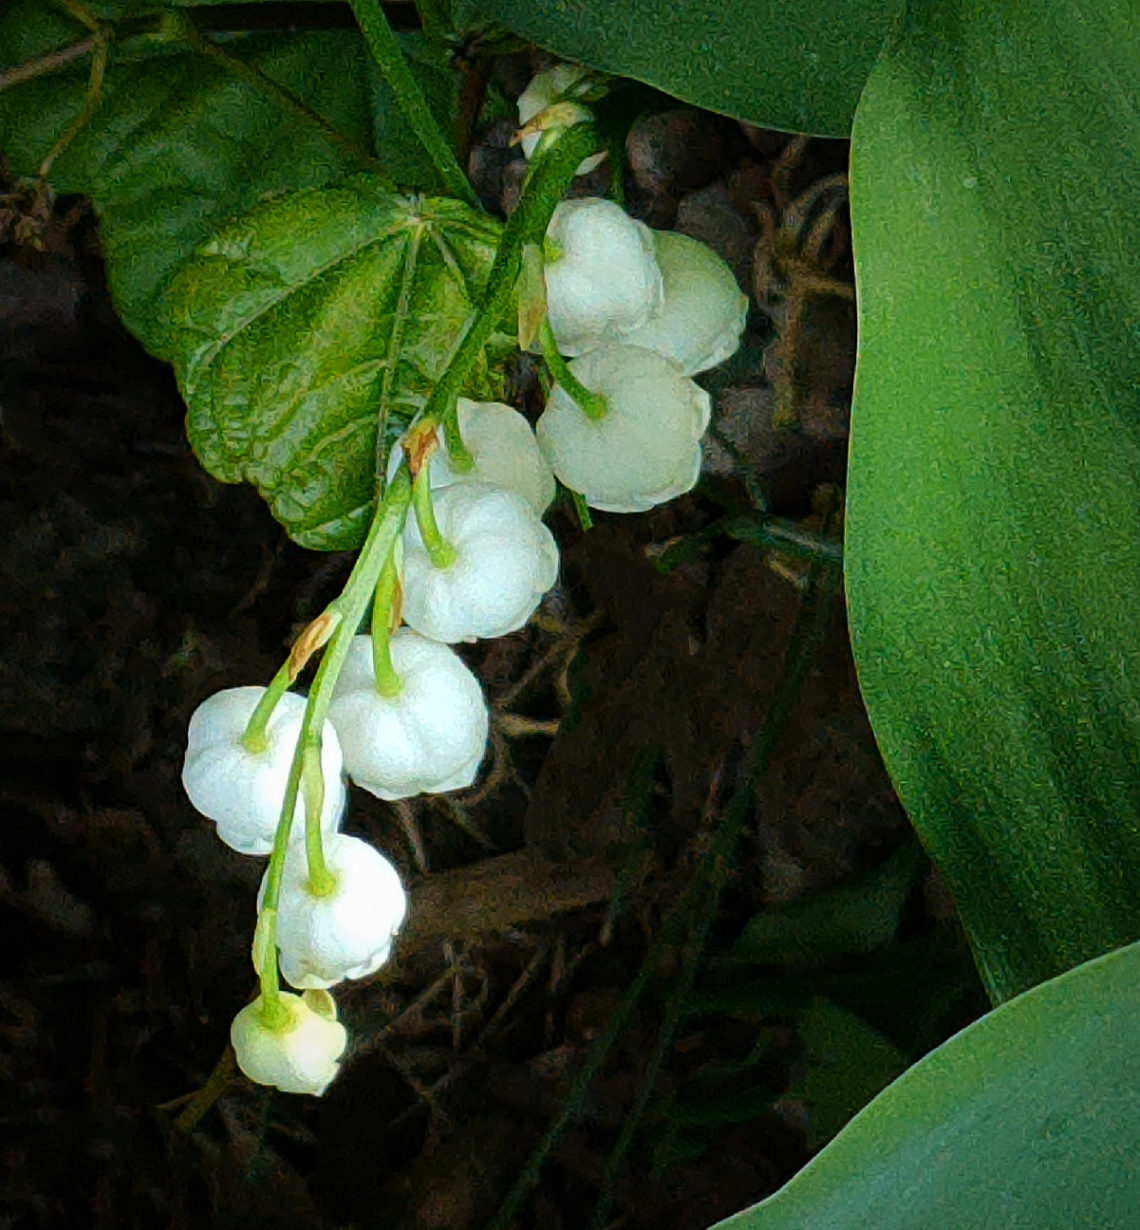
(560, 115)
(420, 441)
(314, 637)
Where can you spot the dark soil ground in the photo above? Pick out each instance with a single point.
(625, 718)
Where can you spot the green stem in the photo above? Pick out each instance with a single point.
(410, 98)
(322, 882)
(388, 682)
(592, 405)
(90, 103)
(395, 342)
(582, 509)
(546, 183)
(458, 454)
(254, 738)
(441, 553)
(215, 1084)
(349, 608)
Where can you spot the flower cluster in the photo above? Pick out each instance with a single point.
(405, 716)
(467, 556)
(640, 312)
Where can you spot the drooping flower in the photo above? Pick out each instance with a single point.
(302, 1055)
(700, 321)
(645, 449)
(428, 738)
(506, 559)
(243, 791)
(602, 277)
(564, 81)
(346, 933)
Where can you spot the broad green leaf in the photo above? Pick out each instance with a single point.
(1027, 1120)
(993, 531)
(797, 67)
(301, 324)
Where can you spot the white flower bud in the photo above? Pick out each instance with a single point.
(602, 277)
(349, 932)
(301, 1057)
(702, 317)
(645, 449)
(544, 90)
(427, 739)
(242, 791)
(507, 559)
(502, 445)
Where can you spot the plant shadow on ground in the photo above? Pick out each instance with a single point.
(134, 586)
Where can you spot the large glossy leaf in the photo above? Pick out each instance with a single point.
(993, 537)
(799, 67)
(296, 327)
(1027, 1120)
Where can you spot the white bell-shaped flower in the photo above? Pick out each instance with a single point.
(303, 1056)
(347, 933)
(506, 560)
(502, 445)
(242, 791)
(602, 277)
(555, 84)
(427, 739)
(645, 449)
(703, 314)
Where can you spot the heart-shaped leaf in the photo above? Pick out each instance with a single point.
(993, 532)
(303, 325)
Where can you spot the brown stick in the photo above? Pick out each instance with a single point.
(46, 63)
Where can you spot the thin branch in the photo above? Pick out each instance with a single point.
(48, 63)
(209, 1093)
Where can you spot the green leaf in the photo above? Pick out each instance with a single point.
(846, 1064)
(796, 67)
(181, 142)
(855, 917)
(1027, 1120)
(993, 532)
(301, 325)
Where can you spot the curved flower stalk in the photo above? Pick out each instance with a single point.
(429, 737)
